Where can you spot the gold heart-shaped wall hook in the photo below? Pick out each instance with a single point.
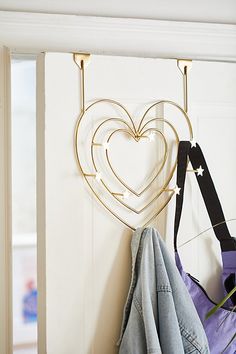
(91, 167)
(124, 124)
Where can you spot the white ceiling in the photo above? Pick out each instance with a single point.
(220, 11)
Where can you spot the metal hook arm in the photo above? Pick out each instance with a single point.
(184, 66)
(81, 59)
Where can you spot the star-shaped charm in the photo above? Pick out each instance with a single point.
(125, 195)
(98, 176)
(193, 143)
(151, 136)
(177, 190)
(106, 145)
(200, 171)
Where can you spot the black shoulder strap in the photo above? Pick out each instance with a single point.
(208, 192)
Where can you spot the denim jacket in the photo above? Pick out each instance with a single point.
(159, 315)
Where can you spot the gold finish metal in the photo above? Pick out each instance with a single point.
(138, 194)
(191, 170)
(184, 66)
(97, 144)
(81, 60)
(89, 174)
(142, 131)
(132, 134)
(118, 194)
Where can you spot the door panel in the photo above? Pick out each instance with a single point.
(87, 249)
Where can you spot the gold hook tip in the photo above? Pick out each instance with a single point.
(184, 64)
(81, 57)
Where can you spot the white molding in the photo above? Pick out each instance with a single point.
(41, 206)
(5, 206)
(34, 32)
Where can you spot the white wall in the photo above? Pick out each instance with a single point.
(183, 10)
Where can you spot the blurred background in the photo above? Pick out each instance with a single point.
(24, 240)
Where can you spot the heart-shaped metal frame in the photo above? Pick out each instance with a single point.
(137, 134)
(143, 135)
(137, 137)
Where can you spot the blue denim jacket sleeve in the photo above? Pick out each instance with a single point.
(159, 316)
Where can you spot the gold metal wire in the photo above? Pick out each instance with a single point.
(136, 134)
(126, 186)
(184, 66)
(136, 139)
(171, 103)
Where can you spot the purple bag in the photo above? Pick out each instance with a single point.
(218, 335)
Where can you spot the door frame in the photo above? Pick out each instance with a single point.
(5, 206)
(38, 32)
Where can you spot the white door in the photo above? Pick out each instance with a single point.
(86, 249)
(5, 205)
